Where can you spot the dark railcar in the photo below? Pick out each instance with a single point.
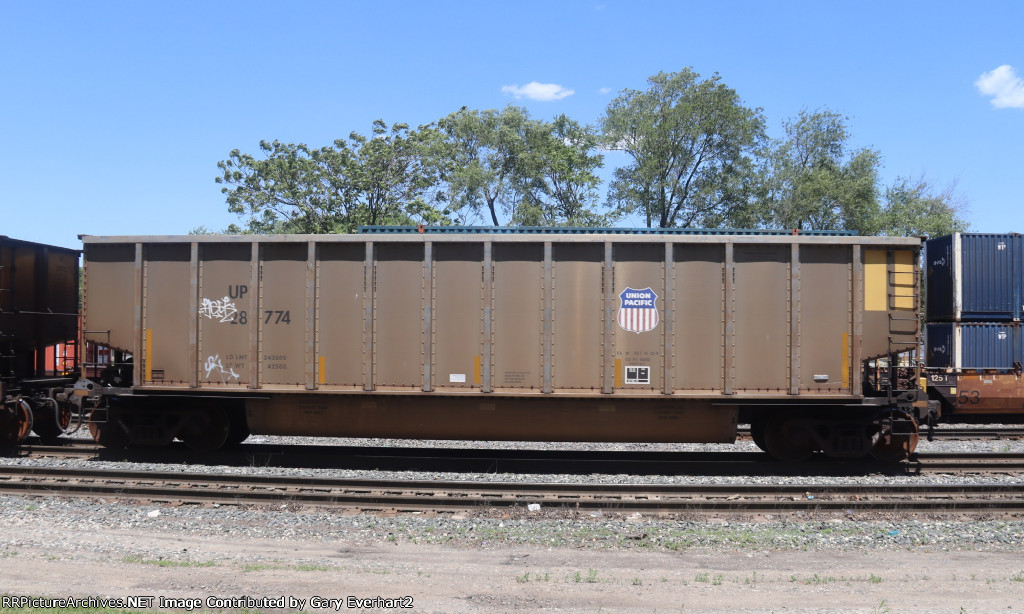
(38, 309)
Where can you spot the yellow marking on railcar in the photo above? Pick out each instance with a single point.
(321, 374)
(618, 373)
(875, 296)
(478, 370)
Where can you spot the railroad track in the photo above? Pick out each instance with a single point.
(450, 496)
(463, 460)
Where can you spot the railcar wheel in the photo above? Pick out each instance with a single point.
(206, 429)
(8, 425)
(788, 438)
(15, 422)
(896, 437)
(239, 427)
(757, 430)
(106, 428)
(51, 420)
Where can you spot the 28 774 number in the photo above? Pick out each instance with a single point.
(275, 316)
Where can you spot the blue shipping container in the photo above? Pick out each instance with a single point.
(974, 345)
(974, 277)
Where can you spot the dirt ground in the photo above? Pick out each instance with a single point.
(430, 578)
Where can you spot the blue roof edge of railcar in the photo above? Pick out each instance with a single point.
(572, 230)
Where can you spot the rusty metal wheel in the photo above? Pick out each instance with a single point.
(788, 438)
(206, 429)
(51, 419)
(24, 420)
(106, 428)
(896, 436)
(15, 422)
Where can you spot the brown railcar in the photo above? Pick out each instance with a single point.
(978, 396)
(554, 336)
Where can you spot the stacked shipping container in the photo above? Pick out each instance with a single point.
(974, 345)
(975, 298)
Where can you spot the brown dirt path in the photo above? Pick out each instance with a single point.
(515, 579)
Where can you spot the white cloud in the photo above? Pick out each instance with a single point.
(605, 90)
(1005, 87)
(538, 91)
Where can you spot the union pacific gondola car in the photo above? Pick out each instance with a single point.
(511, 334)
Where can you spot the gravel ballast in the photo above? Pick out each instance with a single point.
(519, 561)
(548, 527)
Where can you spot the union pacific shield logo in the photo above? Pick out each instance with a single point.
(638, 311)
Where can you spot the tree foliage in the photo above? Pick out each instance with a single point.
(556, 175)
(916, 208)
(391, 176)
(689, 142)
(506, 165)
(696, 157)
(811, 181)
(485, 148)
(384, 179)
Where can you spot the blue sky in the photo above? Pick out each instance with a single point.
(113, 115)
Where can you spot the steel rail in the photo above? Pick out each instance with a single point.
(420, 495)
(533, 461)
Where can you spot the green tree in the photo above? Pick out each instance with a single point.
(393, 177)
(916, 208)
(387, 178)
(556, 173)
(484, 148)
(689, 142)
(288, 190)
(810, 180)
(506, 165)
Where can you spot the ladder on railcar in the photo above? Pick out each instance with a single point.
(904, 311)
